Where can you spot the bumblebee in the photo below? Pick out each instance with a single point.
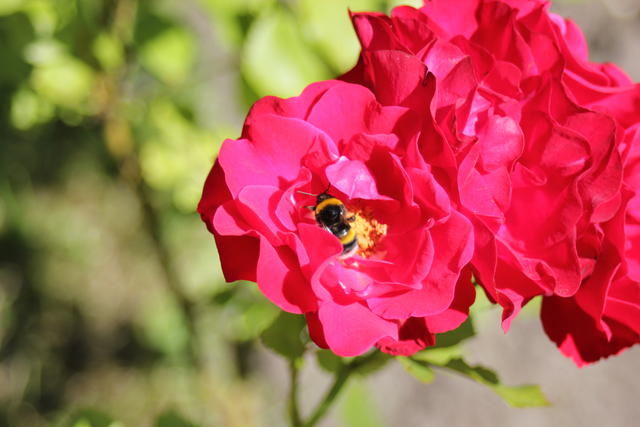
(332, 215)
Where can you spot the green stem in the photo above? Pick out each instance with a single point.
(294, 412)
(339, 381)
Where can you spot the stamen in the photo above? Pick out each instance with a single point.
(368, 230)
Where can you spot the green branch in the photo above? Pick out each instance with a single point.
(340, 379)
(294, 412)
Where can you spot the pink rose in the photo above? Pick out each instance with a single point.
(603, 317)
(530, 142)
(405, 282)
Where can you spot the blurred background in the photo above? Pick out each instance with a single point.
(113, 310)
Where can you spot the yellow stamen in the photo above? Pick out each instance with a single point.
(368, 230)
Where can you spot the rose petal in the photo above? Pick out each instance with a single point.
(413, 336)
(352, 329)
(280, 279)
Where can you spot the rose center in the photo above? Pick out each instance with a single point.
(368, 230)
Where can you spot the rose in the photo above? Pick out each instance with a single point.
(603, 317)
(608, 302)
(532, 135)
(507, 146)
(406, 281)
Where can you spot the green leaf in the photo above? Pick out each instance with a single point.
(451, 358)
(92, 418)
(377, 361)
(524, 396)
(66, 81)
(43, 16)
(456, 336)
(170, 55)
(45, 51)
(224, 296)
(276, 60)
(8, 7)
(175, 153)
(418, 369)
(108, 50)
(328, 361)
(231, 19)
(256, 317)
(171, 418)
(328, 26)
(16, 33)
(150, 23)
(284, 335)
(438, 356)
(517, 396)
(478, 373)
(248, 311)
(238, 6)
(28, 109)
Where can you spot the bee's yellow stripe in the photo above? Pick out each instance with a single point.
(323, 204)
(349, 237)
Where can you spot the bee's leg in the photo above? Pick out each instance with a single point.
(311, 208)
(351, 218)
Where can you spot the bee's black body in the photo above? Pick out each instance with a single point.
(331, 214)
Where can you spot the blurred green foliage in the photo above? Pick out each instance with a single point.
(358, 408)
(111, 297)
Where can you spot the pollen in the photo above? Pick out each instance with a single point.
(368, 230)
